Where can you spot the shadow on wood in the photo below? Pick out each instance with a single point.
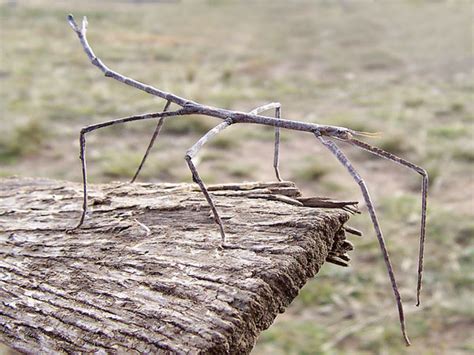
(146, 273)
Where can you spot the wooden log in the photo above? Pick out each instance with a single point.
(146, 274)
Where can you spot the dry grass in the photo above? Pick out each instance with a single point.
(402, 68)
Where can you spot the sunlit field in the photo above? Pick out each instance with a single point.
(402, 68)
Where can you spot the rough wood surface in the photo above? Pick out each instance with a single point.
(146, 273)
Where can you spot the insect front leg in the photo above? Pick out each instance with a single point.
(276, 152)
(334, 149)
(190, 154)
(424, 196)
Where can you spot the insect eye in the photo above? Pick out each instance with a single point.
(342, 134)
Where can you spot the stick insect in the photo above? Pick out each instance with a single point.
(327, 135)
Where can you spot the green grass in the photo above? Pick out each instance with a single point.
(449, 131)
(225, 142)
(123, 165)
(310, 170)
(25, 140)
(395, 144)
(400, 207)
(464, 153)
(117, 165)
(306, 336)
(240, 171)
(188, 125)
(317, 291)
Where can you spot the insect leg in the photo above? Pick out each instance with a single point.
(347, 164)
(82, 144)
(276, 154)
(424, 196)
(190, 154)
(160, 123)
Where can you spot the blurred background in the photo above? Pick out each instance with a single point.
(404, 68)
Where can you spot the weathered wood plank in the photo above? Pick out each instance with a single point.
(146, 273)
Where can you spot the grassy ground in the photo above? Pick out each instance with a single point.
(403, 68)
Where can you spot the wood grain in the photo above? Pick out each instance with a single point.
(146, 273)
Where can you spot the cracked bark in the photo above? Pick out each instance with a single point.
(146, 273)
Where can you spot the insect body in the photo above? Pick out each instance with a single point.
(323, 133)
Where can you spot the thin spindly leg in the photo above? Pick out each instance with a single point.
(190, 154)
(378, 231)
(276, 154)
(424, 197)
(82, 143)
(160, 123)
